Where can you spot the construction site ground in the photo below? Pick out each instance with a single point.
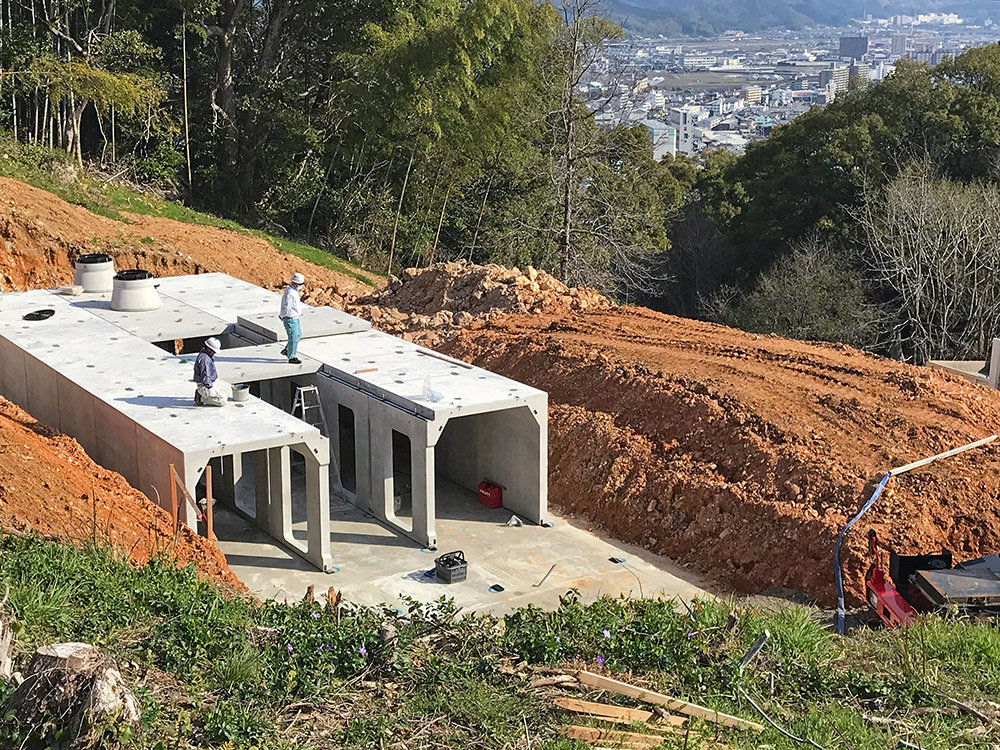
(735, 455)
(508, 566)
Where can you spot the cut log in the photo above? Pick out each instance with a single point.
(78, 684)
(617, 713)
(600, 682)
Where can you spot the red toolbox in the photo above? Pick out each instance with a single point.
(490, 495)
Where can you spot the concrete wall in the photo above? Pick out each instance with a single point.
(508, 447)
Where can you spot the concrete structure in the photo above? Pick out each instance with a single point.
(398, 416)
(980, 372)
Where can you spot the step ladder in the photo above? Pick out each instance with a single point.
(308, 407)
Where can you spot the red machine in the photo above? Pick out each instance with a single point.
(883, 597)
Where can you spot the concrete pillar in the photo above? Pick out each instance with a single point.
(422, 491)
(318, 509)
(381, 484)
(993, 378)
(279, 505)
(262, 488)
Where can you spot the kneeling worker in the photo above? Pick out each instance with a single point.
(205, 375)
(291, 311)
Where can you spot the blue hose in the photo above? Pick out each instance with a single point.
(838, 574)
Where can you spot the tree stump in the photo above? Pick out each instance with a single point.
(74, 689)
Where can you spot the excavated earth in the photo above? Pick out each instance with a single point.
(738, 454)
(744, 455)
(49, 485)
(41, 235)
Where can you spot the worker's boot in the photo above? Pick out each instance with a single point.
(284, 352)
(295, 361)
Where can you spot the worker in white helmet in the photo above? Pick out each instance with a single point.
(206, 394)
(291, 311)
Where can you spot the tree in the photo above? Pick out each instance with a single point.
(933, 244)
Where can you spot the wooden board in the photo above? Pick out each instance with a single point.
(612, 737)
(620, 714)
(673, 704)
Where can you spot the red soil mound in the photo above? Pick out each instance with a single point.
(40, 234)
(50, 485)
(746, 454)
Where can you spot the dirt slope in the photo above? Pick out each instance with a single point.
(40, 234)
(740, 454)
(745, 454)
(49, 484)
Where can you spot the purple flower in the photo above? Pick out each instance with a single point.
(600, 661)
(317, 615)
(690, 634)
(362, 650)
(607, 633)
(558, 639)
(288, 647)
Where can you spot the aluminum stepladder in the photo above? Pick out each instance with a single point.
(307, 403)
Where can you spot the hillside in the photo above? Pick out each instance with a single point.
(670, 433)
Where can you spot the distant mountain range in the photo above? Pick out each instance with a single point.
(707, 17)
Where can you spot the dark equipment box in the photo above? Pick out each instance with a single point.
(451, 567)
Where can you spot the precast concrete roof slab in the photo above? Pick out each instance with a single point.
(141, 381)
(220, 295)
(417, 379)
(174, 320)
(251, 364)
(315, 322)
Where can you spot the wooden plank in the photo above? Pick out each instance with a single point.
(673, 704)
(953, 452)
(209, 530)
(173, 495)
(610, 713)
(612, 736)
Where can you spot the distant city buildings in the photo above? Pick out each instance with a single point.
(727, 92)
(853, 47)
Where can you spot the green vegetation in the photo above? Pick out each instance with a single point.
(405, 133)
(213, 670)
(53, 170)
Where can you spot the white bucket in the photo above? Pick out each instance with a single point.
(241, 392)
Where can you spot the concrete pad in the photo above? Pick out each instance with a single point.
(220, 295)
(315, 322)
(975, 371)
(174, 320)
(378, 566)
(417, 379)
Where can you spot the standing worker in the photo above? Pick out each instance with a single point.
(205, 375)
(291, 311)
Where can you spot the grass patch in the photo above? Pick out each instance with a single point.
(53, 170)
(223, 671)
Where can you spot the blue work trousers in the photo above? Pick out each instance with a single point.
(294, 330)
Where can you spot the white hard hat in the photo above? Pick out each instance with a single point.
(214, 344)
(298, 278)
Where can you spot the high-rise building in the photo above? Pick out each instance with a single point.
(752, 94)
(853, 47)
(858, 75)
(900, 42)
(835, 78)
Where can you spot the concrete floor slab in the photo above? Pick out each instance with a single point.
(377, 566)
